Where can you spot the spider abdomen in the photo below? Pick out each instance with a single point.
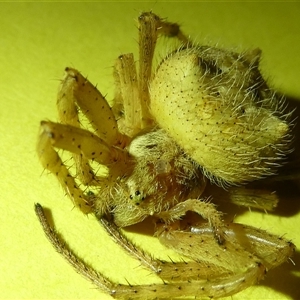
(210, 106)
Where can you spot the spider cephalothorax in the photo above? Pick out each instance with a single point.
(163, 175)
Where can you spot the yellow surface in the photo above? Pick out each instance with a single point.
(37, 41)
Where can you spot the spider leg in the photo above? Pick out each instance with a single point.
(243, 245)
(203, 208)
(172, 271)
(244, 268)
(61, 247)
(214, 287)
(272, 250)
(150, 27)
(51, 161)
(76, 91)
(127, 104)
(80, 142)
(257, 198)
(255, 195)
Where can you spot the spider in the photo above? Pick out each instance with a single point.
(205, 115)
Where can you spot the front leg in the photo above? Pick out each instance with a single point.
(80, 142)
(52, 162)
(76, 94)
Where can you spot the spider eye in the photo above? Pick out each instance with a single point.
(137, 197)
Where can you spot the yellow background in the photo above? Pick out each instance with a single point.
(37, 41)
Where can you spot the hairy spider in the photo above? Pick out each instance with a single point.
(205, 114)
